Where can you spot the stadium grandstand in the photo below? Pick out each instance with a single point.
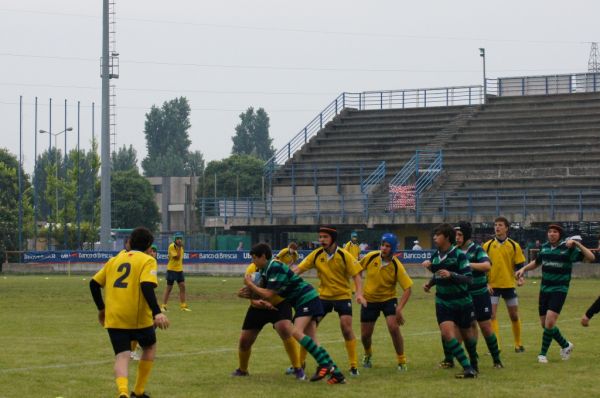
(526, 149)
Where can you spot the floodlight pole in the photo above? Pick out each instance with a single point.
(105, 205)
(482, 55)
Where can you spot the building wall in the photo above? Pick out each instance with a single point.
(176, 197)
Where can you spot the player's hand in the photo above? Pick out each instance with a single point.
(361, 300)
(101, 317)
(400, 318)
(268, 306)
(248, 280)
(444, 274)
(161, 321)
(426, 288)
(570, 243)
(585, 321)
(519, 273)
(520, 281)
(245, 292)
(426, 264)
(490, 289)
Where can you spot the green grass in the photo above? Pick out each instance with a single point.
(52, 346)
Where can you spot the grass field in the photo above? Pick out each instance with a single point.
(52, 346)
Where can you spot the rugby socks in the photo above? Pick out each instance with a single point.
(471, 345)
(293, 350)
(143, 374)
(516, 329)
(123, 385)
(134, 345)
(318, 353)
(496, 329)
(369, 351)
(244, 357)
(546, 341)
(457, 350)
(492, 344)
(352, 355)
(448, 357)
(401, 359)
(559, 337)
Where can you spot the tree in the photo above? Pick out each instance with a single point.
(133, 202)
(9, 202)
(252, 135)
(195, 164)
(237, 176)
(167, 140)
(124, 159)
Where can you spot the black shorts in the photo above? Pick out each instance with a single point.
(174, 276)
(257, 318)
(370, 313)
(342, 307)
(482, 303)
(121, 338)
(313, 308)
(506, 293)
(551, 301)
(463, 317)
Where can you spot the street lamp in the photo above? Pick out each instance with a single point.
(55, 135)
(482, 55)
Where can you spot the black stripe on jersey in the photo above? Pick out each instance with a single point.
(557, 270)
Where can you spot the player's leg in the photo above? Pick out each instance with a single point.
(147, 340)
(181, 283)
(469, 336)
(282, 325)
(512, 305)
(368, 317)
(344, 310)
(557, 299)
(447, 328)
(170, 281)
(121, 343)
(254, 321)
(397, 341)
(495, 299)
(483, 310)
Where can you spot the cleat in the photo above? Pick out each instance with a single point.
(144, 395)
(163, 308)
(366, 362)
(468, 373)
(184, 308)
(542, 359)
(336, 378)
(323, 371)
(240, 373)
(498, 365)
(402, 367)
(446, 364)
(354, 372)
(136, 355)
(123, 396)
(565, 353)
(475, 366)
(289, 371)
(299, 374)
(519, 349)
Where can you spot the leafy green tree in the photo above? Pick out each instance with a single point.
(252, 135)
(167, 140)
(124, 159)
(9, 203)
(195, 164)
(237, 176)
(133, 202)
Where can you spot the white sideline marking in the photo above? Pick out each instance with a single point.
(214, 351)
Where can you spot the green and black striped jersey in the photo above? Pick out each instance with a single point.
(449, 292)
(476, 254)
(557, 265)
(280, 278)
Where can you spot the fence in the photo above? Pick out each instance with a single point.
(544, 204)
(544, 85)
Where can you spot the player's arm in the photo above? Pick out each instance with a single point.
(262, 292)
(96, 290)
(593, 310)
(262, 304)
(359, 294)
(403, 300)
(588, 256)
(483, 264)
(160, 319)
(306, 264)
(175, 252)
(533, 264)
(429, 284)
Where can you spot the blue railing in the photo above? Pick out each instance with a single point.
(376, 177)
(430, 173)
(540, 205)
(373, 100)
(544, 84)
(422, 166)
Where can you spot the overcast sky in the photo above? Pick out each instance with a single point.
(291, 58)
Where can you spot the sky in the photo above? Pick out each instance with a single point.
(290, 58)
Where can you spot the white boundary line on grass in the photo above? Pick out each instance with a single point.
(205, 352)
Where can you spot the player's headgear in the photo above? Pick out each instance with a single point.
(329, 230)
(466, 229)
(354, 234)
(178, 235)
(391, 239)
(154, 247)
(559, 228)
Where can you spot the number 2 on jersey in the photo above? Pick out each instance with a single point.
(125, 267)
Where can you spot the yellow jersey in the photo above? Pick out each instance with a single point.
(381, 279)
(121, 277)
(353, 249)
(333, 271)
(175, 264)
(276, 299)
(287, 257)
(505, 256)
